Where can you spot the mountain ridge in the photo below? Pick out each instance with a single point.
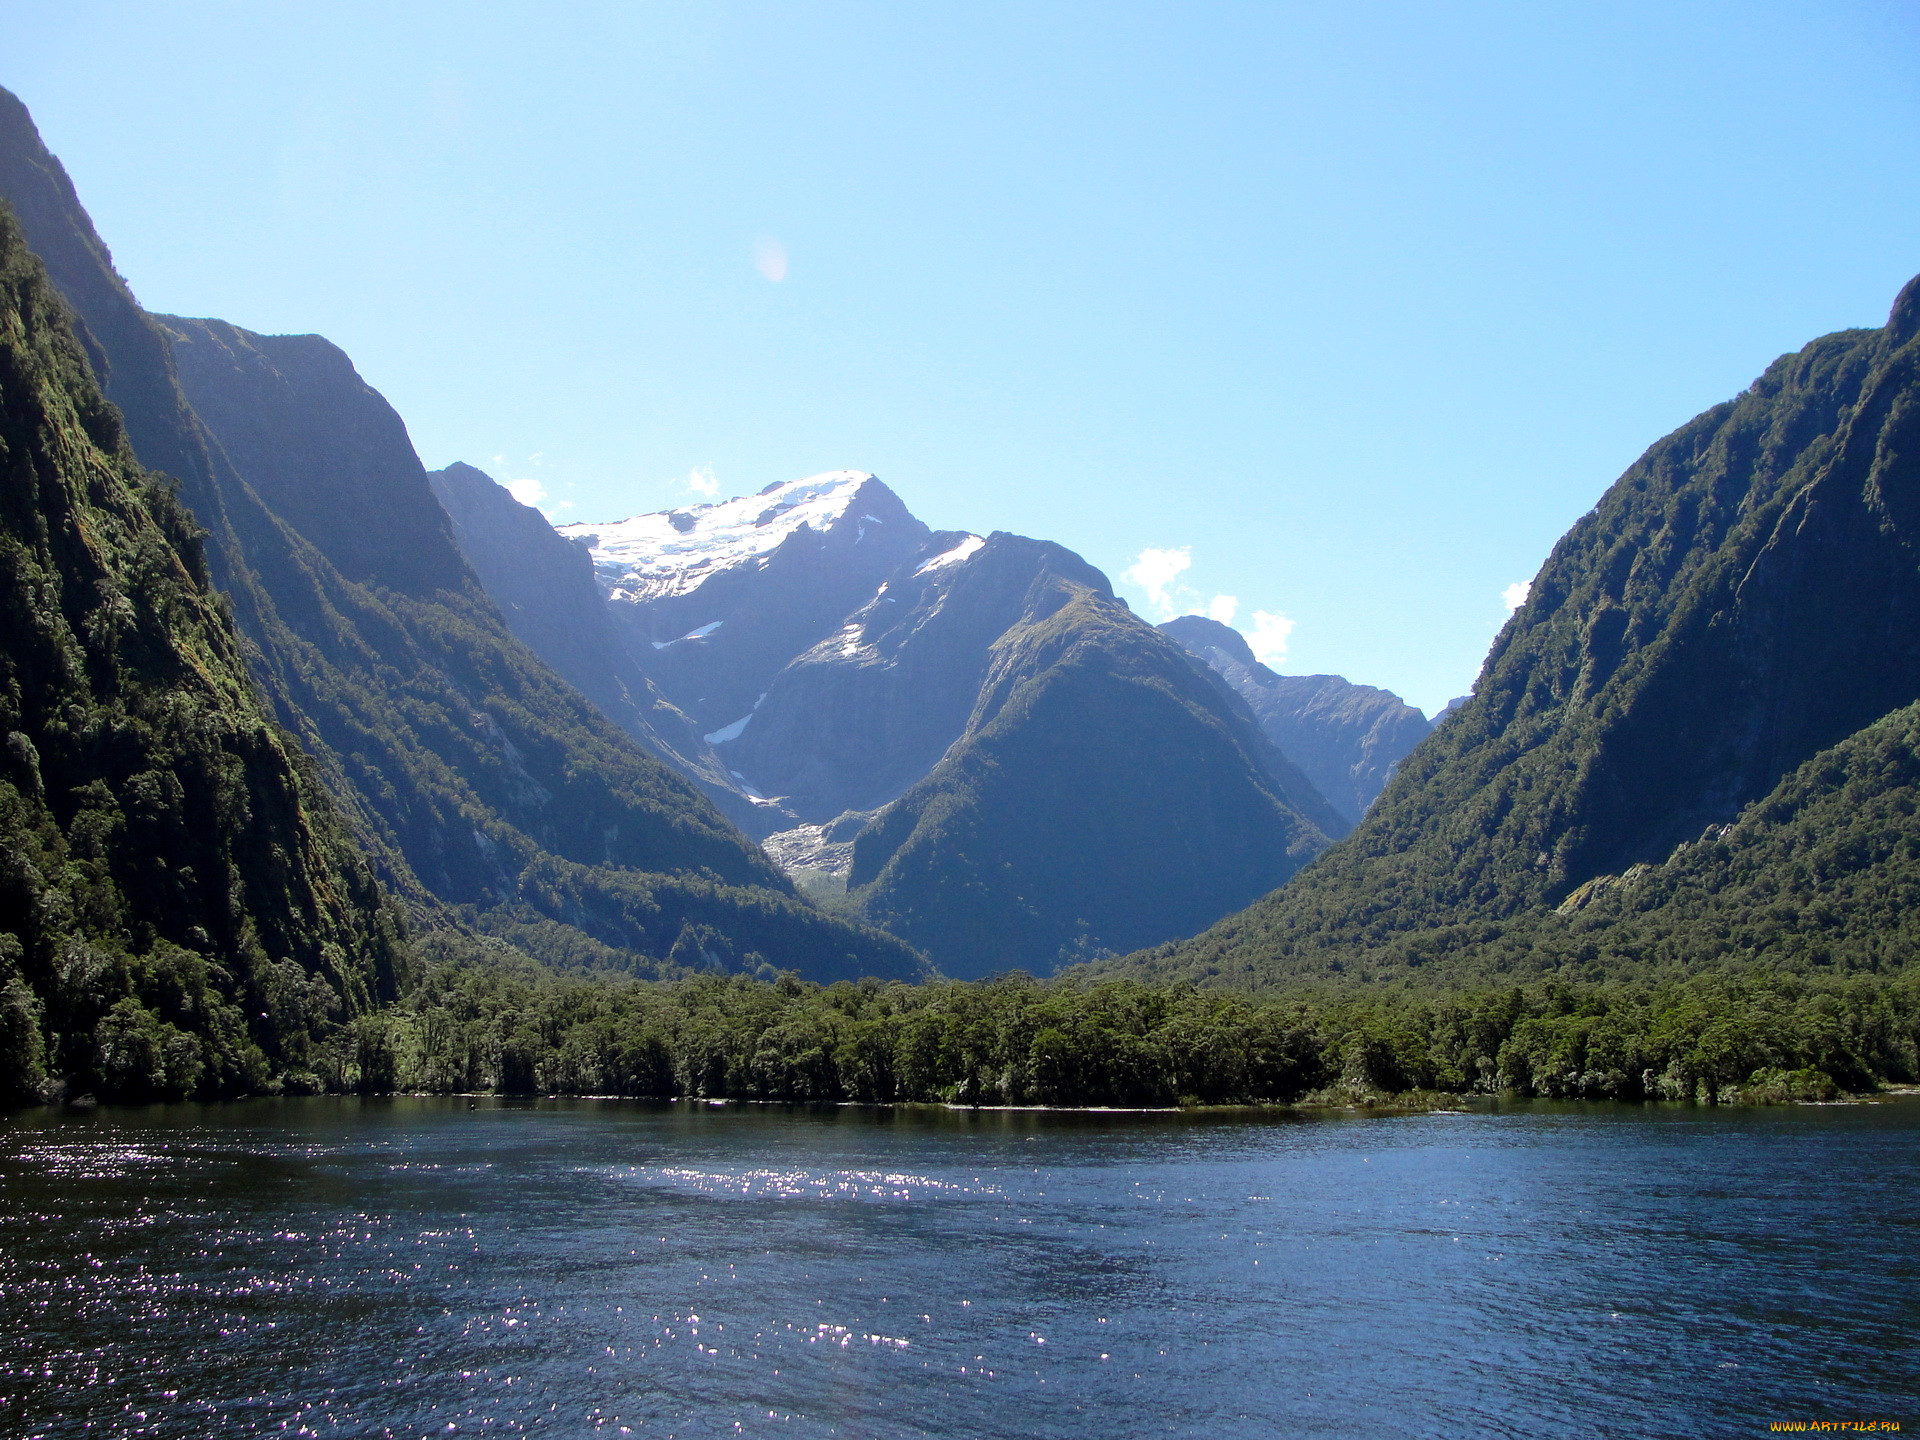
(1745, 598)
(427, 720)
(1346, 738)
(181, 910)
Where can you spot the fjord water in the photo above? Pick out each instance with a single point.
(416, 1267)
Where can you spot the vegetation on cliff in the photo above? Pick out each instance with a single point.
(181, 910)
(1742, 602)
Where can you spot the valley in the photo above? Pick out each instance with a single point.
(510, 806)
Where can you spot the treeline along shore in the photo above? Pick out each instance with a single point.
(1012, 1040)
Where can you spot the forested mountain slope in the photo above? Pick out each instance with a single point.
(1345, 738)
(1105, 790)
(181, 909)
(1744, 598)
(475, 774)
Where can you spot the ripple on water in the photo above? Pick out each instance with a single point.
(332, 1268)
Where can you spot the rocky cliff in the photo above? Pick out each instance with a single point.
(715, 600)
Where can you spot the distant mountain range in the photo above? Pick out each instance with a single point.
(963, 742)
(1346, 738)
(968, 737)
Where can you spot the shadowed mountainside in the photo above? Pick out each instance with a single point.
(477, 778)
(1105, 789)
(181, 909)
(1345, 738)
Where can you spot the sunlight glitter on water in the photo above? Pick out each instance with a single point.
(345, 1268)
(802, 1184)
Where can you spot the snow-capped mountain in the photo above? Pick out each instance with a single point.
(674, 552)
(714, 600)
(907, 708)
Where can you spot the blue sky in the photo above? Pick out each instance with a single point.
(1350, 309)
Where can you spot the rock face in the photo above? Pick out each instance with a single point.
(1346, 738)
(855, 720)
(322, 449)
(714, 600)
(477, 777)
(545, 590)
(1746, 596)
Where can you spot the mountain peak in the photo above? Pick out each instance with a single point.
(672, 552)
(1198, 634)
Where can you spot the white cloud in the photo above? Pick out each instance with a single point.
(1156, 572)
(702, 481)
(1222, 608)
(1516, 594)
(1268, 638)
(527, 492)
(770, 259)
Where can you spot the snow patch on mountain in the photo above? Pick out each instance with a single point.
(673, 552)
(700, 634)
(958, 555)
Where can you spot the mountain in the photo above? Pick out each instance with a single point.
(852, 722)
(714, 600)
(181, 909)
(1345, 738)
(1711, 647)
(544, 588)
(1103, 793)
(933, 722)
(476, 777)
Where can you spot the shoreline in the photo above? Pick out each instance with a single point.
(1383, 1106)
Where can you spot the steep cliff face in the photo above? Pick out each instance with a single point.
(1345, 738)
(1103, 790)
(1745, 597)
(507, 733)
(476, 776)
(322, 449)
(544, 588)
(181, 911)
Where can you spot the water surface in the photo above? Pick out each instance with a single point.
(418, 1267)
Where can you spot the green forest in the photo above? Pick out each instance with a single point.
(266, 829)
(479, 1023)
